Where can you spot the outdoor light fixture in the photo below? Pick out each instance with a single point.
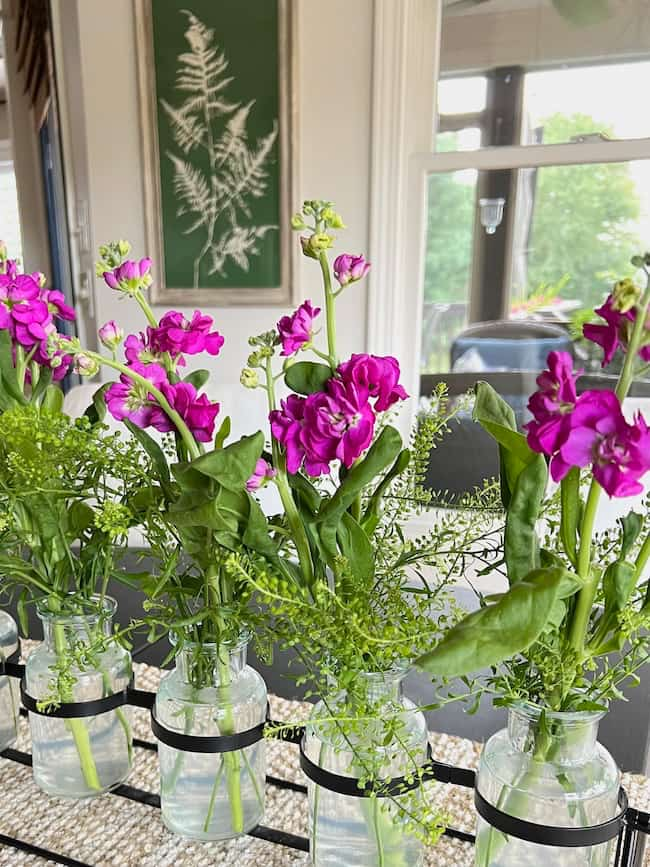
(491, 214)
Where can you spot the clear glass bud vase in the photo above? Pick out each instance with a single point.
(349, 831)
(548, 769)
(212, 692)
(77, 661)
(9, 692)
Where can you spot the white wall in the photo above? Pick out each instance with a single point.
(334, 99)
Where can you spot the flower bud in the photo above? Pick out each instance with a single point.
(84, 365)
(111, 335)
(249, 378)
(297, 222)
(625, 295)
(307, 249)
(3, 251)
(349, 269)
(124, 248)
(333, 220)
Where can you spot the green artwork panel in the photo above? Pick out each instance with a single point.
(218, 113)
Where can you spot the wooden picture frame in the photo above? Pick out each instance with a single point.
(213, 244)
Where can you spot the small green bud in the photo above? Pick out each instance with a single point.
(249, 378)
(625, 295)
(123, 248)
(297, 223)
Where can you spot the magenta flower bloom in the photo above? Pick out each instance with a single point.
(619, 452)
(339, 423)
(378, 375)
(262, 475)
(55, 301)
(129, 276)
(615, 333)
(286, 427)
(349, 269)
(132, 400)
(137, 347)
(197, 411)
(177, 335)
(111, 334)
(553, 404)
(297, 330)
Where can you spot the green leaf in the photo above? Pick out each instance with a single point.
(21, 609)
(381, 454)
(256, 534)
(223, 433)
(521, 543)
(96, 412)
(631, 526)
(81, 516)
(497, 418)
(233, 465)
(7, 369)
(488, 636)
(308, 496)
(53, 399)
(570, 515)
(373, 510)
(619, 581)
(198, 378)
(307, 377)
(44, 381)
(152, 448)
(349, 539)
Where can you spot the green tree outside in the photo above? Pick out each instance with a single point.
(583, 225)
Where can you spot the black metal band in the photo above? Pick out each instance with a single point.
(11, 666)
(430, 770)
(76, 709)
(351, 786)
(206, 743)
(547, 835)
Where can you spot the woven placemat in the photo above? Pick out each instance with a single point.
(112, 831)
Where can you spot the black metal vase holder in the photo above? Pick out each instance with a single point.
(630, 827)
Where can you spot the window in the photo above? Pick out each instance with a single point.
(9, 210)
(542, 112)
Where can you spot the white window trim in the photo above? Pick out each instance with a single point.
(406, 65)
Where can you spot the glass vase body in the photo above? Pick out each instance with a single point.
(552, 771)
(347, 831)
(86, 756)
(211, 692)
(9, 691)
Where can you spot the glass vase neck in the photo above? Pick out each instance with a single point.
(380, 686)
(203, 665)
(91, 618)
(562, 738)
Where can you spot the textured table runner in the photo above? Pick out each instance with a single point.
(112, 831)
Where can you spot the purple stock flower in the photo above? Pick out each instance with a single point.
(616, 331)
(132, 400)
(552, 405)
(197, 411)
(339, 423)
(111, 334)
(130, 276)
(262, 475)
(378, 375)
(619, 452)
(177, 335)
(55, 301)
(336, 424)
(349, 269)
(297, 330)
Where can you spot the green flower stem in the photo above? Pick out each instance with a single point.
(181, 427)
(77, 727)
(330, 309)
(231, 759)
(144, 306)
(580, 620)
(290, 509)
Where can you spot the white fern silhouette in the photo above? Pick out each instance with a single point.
(207, 123)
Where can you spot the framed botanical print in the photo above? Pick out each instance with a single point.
(216, 94)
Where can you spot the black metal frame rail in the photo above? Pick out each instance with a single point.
(631, 840)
